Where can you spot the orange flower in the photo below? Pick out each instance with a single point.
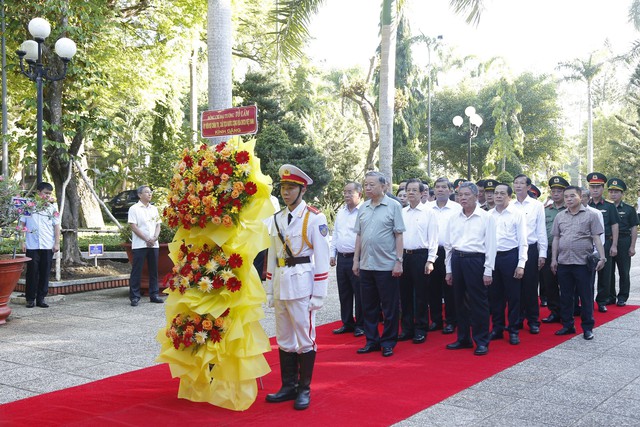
(196, 319)
(189, 329)
(227, 221)
(219, 322)
(224, 177)
(235, 194)
(238, 186)
(207, 324)
(216, 220)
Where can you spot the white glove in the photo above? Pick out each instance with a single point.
(315, 303)
(270, 300)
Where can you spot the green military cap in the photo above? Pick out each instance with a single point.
(457, 183)
(557, 181)
(596, 178)
(490, 184)
(616, 184)
(534, 192)
(481, 183)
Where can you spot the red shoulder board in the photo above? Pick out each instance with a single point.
(313, 210)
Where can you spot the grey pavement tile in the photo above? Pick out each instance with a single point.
(14, 377)
(589, 383)
(567, 396)
(443, 415)
(620, 406)
(507, 386)
(599, 419)
(529, 372)
(504, 421)
(11, 394)
(612, 368)
(630, 391)
(104, 370)
(536, 411)
(47, 383)
(480, 401)
(562, 353)
(69, 363)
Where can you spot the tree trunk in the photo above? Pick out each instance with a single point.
(90, 211)
(219, 41)
(387, 87)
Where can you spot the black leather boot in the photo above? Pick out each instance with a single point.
(306, 361)
(289, 375)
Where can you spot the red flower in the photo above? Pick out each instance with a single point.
(217, 282)
(221, 146)
(224, 167)
(234, 284)
(203, 258)
(182, 289)
(215, 335)
(237, 203)
(242, 157)
(185, 270)
(188, 161)
(225, 314)
(250, 188)
(235, 261)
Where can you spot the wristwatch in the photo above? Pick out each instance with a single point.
(398, 259)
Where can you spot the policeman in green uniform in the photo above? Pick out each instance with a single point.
(489, 189)
(557, 184)
(627, 236)
(611, 219)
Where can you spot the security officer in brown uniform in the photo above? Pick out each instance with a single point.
(627, 236)
(611, 219)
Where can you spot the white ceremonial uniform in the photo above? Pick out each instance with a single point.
(293, 286)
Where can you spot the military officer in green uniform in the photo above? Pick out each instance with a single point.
(489, 189)
(557, 184)
(627, 236)
(611, 219)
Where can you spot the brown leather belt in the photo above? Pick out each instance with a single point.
(290, 262)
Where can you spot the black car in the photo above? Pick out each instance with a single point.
(121, 203)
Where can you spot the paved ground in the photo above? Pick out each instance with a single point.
(578, 383)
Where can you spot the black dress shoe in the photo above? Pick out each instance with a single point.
(602, 308)
(495, 335)
(449, 329)
(42, 304)
(621, 303)
(358, 332)
(31, 304)
(566, 331)
(387, 351)
(553, 318)
(157, 300)
(405, 336)
(435, 326)
(481, 350)
(588, 335)
(134, 303)
(342, 330)
(543, 303)
(514, 339)
(610, 301)
(459, 345)
(419, 339)
(534, 329)
(369, 348)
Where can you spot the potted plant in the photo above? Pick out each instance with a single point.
(11, 266)
(165, 264)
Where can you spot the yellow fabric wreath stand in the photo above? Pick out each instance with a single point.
(224, 373)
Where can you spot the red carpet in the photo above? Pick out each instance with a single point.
(366, 390)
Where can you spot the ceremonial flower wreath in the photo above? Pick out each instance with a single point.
(204, 268)
(210, 184)
(193, 329)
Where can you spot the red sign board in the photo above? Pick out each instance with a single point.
(232, 121)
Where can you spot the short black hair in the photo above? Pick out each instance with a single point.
(420, 184)
(574, 187)
(509, 189)
(522, 176)
(44, 186)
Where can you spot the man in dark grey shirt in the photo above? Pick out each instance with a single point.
(576, 230)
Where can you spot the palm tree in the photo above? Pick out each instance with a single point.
(292, 18)
(585, 71)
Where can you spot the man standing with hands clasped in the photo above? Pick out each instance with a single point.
(576, 230)
(297, 276)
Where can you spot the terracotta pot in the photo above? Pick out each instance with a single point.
(10, 271)
(165, 265)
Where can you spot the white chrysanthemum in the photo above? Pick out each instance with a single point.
(226, 274)
(205, 284)
(195, 265)
(211, 266)
(201, 337)
(245, 167)
(184, 281)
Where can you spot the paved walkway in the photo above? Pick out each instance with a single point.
(578, 383)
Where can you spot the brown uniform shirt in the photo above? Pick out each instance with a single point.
(574, 232)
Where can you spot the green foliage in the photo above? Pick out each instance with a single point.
(505, 177)
(165, 236)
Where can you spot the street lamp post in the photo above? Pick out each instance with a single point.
(475, 121)
(31, 52)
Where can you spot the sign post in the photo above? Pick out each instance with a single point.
(96, 250)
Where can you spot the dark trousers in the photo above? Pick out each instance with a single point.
(505, 291)
(348, 291)
(472, 298)
(38, 271)
(150, 255)
(604, 276)
(258, 263)
(414, 292)
(530, 310)
(438, 289)
(623, 262)
(380, 290)
(551, 286)
(574, 278)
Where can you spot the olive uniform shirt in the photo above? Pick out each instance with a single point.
(609, 214)
(628, 219)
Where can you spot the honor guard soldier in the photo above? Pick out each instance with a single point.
(627, 236)
(456, 185)
(557, 184)
(611, 219)
(297, 276)
(534, 192)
